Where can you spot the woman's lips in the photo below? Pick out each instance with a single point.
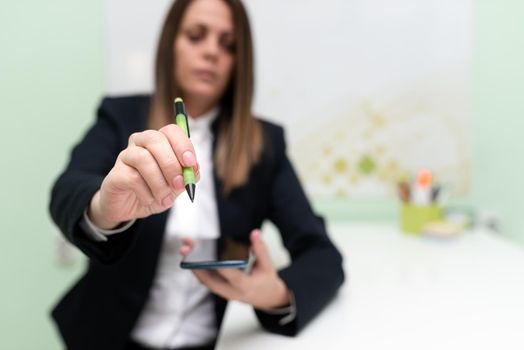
(205, 75)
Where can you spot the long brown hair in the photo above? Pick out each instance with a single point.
(239, 138)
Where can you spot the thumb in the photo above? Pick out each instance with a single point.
(260, 250)
(187, 246)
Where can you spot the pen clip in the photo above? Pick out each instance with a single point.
(187, 126)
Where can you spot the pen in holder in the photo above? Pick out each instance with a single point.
(419, 203)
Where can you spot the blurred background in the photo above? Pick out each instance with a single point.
(369, 92)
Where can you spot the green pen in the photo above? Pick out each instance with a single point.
(187, 172)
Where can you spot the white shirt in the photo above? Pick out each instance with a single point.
(180, 310)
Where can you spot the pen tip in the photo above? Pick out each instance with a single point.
(178, 99)
(190, 189)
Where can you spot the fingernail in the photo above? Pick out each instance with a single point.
(188, 158)
(166, 202)
(178, 183)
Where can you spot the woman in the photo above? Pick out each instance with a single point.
(119, 201)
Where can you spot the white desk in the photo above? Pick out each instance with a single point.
(406, 292)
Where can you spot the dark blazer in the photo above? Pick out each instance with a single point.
(100, 310)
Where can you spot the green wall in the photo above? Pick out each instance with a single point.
(51, 80)
(498, 112)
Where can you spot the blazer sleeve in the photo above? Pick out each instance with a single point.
(315, 272)
(90, 161)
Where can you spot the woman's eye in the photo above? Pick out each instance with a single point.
(194, 36)
(228, 45)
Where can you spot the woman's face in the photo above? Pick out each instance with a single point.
(204, 49)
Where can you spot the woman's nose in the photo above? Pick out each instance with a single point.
(211, 48)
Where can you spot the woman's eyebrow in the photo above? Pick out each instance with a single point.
(194, 25)
(199, 23)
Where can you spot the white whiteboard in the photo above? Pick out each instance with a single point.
(367, 89)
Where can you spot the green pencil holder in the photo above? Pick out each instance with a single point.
(413, 218)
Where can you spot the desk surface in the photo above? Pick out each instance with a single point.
(406, 292)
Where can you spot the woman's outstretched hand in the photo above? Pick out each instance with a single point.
(146, 177)
(262, 287)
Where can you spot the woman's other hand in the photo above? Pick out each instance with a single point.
(262, 287)
(146, 177)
